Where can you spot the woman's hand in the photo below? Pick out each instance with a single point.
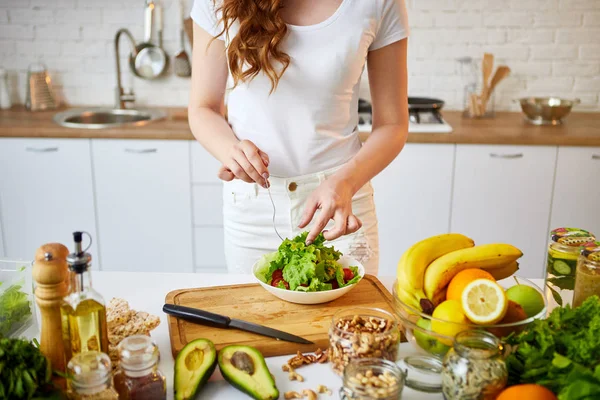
(334, 198)
(246, 162)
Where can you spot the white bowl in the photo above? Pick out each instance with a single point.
(312, 297)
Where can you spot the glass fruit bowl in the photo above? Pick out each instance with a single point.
(418, 329)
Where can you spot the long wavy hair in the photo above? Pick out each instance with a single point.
(256, 46)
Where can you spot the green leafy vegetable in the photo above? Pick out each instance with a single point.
(24, 371)
(561, 352)
(15, 309)
(311, 268)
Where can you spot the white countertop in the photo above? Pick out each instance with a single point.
(147, 291)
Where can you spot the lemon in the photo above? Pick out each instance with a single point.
(484, 302)
(454, 320)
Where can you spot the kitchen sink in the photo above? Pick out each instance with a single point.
(99, 118)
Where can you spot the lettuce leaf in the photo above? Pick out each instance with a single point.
(305, 268)
(561, 352)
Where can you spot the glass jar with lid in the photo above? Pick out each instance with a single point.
(138, 377)
(90, 377)
(587, 278)
(372, 378)
(474, 367)
(563, 251)
(362, 333)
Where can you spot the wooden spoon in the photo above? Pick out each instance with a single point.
(487, 66)
(501, 72)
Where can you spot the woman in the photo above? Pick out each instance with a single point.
(296, 67)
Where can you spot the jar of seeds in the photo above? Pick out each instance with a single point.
(90, 377)
(362, 333)
(372, 378)
(474, 367)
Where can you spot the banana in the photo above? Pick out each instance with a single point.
(415, 260)
(402, 282)
(407, 298)
(487, 256)
(505, 271)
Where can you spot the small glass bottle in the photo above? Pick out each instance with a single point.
(83, 310)
(587, 278)
(474, 368)
(563, 251)
(138, 377)
(90, 377)
(372, 378)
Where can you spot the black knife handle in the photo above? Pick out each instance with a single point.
(196, 315)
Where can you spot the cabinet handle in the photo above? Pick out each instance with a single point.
(516, 155)
(595, 156)
(42, 149)
(140, 151)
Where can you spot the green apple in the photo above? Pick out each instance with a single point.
(428, 342)
(527, 297)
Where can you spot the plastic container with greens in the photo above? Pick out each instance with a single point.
(16, 298)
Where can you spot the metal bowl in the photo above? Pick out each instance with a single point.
(546, 110)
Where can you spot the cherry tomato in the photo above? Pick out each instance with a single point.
(348, 274)
(334, 284)
(277, 273)
(276, 281)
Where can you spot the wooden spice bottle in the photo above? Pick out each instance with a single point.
(50, 273)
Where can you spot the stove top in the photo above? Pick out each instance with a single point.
(420, 121)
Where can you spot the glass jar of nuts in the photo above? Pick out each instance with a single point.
(362, 333)
(372, 378)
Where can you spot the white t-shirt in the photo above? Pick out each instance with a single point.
(309, 123)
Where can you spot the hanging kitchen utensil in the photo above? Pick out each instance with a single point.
(149, 61)
(181, 63)
(40, 95)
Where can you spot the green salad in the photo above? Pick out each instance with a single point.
(312, 268)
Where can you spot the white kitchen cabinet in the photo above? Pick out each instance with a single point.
(143, 195)
(45, 194)
(576, 197)
(208, 205)
(210, 255)
(412, 198)
(503, 194)
(1, 238)
(204, 165)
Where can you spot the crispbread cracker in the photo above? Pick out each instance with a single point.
(123, 322)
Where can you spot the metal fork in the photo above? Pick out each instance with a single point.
(268, 186)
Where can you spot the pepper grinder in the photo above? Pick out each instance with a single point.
(50, 273)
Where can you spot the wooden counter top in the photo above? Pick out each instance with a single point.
(579, 129)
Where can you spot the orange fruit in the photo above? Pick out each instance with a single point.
(529, 391)
(462, 279)
(514, 313)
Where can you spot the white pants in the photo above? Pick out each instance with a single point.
(248, 215)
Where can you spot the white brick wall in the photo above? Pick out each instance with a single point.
(552, 46)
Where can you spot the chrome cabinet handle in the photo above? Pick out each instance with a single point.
(595, 156)
(41, 149)
(516, 155)
(140, 151)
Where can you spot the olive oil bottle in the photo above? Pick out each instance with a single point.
(83, 311)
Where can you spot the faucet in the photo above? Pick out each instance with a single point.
(121, 97)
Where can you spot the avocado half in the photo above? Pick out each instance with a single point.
(245, 368)
(194, 365)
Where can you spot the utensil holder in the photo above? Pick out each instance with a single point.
(40, 95)
(478, 104)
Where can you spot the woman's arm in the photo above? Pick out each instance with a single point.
(241, 159)
(388, 83)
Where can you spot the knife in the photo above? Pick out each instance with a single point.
(207, 318)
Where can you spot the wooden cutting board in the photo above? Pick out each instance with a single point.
(250, 302)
